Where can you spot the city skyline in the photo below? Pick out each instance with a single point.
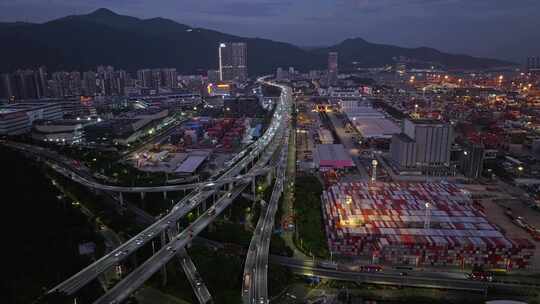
(205, 156)
(440, 24)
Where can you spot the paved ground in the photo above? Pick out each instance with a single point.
(348, 141)
(495, 212)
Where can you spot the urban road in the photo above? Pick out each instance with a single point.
(255, 286)
(183, 207)
(137, 277)
(67, 169)
(422, 279)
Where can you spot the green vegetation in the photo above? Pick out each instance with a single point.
(42, 236)
(311, 237)
(101, 206)
(228, 232)
(279, 278)
(221, 272)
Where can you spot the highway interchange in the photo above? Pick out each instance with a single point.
(228, 184)
(232, 177)
(138, 276)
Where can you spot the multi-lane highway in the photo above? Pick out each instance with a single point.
(236, 175)
(183, 207)
(423, 279)
(199, 288)
(263, 147)
(67, 168)
(255, 284)
(139, 276)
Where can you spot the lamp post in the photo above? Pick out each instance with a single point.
(374, 163)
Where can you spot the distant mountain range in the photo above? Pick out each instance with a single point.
(103, 37)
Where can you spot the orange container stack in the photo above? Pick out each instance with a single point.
(417, 224)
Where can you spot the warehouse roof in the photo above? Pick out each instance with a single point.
(333, 155)
(375, 126)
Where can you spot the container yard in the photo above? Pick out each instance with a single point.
(422, 224)
(198, 140)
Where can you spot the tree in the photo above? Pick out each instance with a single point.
(56, 297)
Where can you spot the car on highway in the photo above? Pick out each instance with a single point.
(481, 276)
(119, 253)
(198, 280)
(261, 300)
(247, 282)
(171, 249)
(138, 241)
(371, 268)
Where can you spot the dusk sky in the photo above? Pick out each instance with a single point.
(507, 29)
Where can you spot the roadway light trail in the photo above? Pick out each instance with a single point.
(137, 277)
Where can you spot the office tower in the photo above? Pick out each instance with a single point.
(212, 76)
(233, 61)
(332, 67)
(423, 143)
(472, 160)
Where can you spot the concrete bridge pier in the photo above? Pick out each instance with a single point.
(142, 196)
(164, 195)
(254, 188)
(269, 177)
(121, 199)
(164, 268)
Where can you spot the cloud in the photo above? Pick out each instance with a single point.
(239, 8)
(480, 27)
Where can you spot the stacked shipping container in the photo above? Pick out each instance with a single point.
(387, 222)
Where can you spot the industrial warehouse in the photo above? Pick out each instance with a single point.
(416, 224)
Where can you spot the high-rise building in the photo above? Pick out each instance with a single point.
(89, 86)
(6, 86)
(472, 160)
(332, 67)
(281, 74)
(26, 85)
(169, 78)
(233, 61)
(533, 64)
(423, 143)
(119, 82)
(145, 78)
(213, 76)
(42, 82)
